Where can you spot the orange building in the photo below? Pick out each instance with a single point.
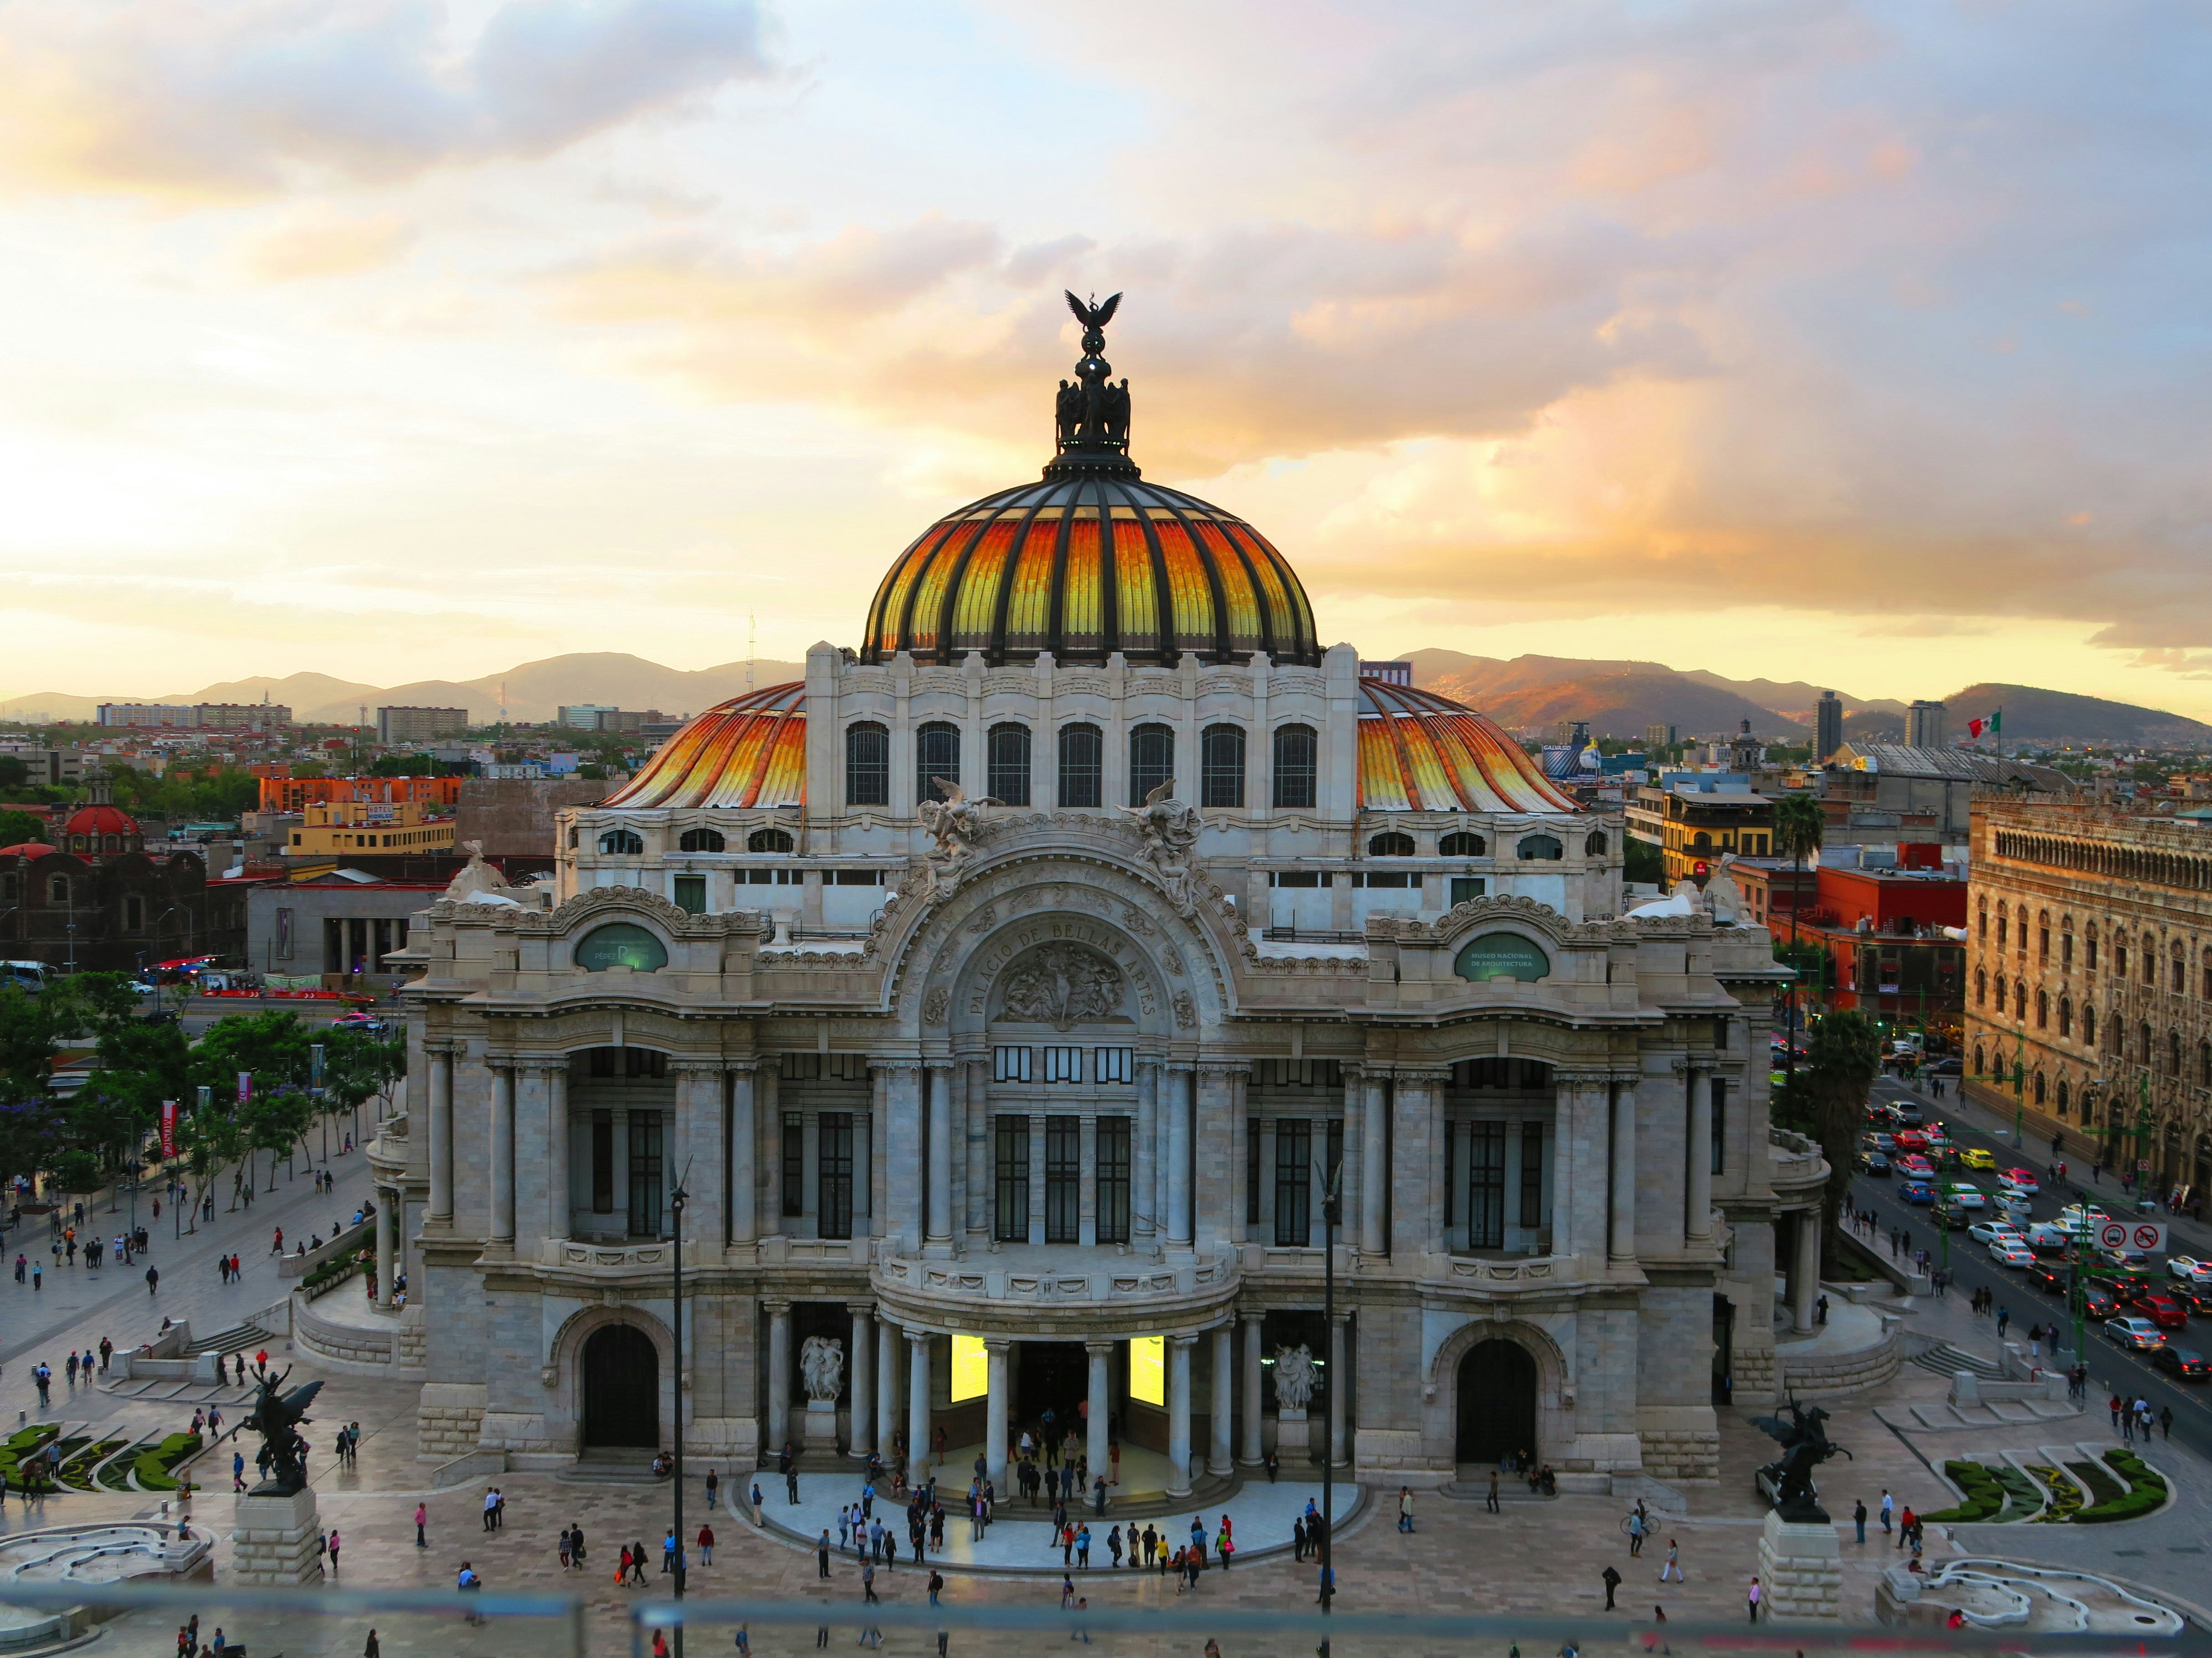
(298, 793)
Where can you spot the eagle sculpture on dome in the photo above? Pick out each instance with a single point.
(1092, 414)
(1094, 317)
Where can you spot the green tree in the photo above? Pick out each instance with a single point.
(18, 827)
(26, 1043)
(209, 1142)
(14, 773)
(1842, 1061)
(1799, 828)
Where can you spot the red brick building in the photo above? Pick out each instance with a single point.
(1882, 932)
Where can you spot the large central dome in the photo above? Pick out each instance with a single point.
(1091, 560)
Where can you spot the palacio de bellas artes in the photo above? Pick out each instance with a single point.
(1006, 999)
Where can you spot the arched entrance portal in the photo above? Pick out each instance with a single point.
(622, 1388)
(1497, 1402)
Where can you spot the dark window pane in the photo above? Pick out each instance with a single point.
(1221, 765)
(1298, 766)
(1010, 1214)
(645, 1154)
(1007, 771)
(1485, 1187)
(936, 754)
(1531, 1174)
(867, 765)
(1082, 766)
(1113, 1179)
(1293, 1181)
(1063, 1180)
(1152, 760)
(603, 1158)
(794, 1161)
(833, 1208)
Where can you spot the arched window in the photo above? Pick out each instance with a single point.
(1981, 988)
(1221, 765)
(2088, 1025)
(2142, 1044)
(2119, 955)
(2002, 925)
(1390, 844)
(2150, 964)
(2066, 949)
(1461, 844)
(620, 944)
(2062, 1096)
(770, 840)
(621, 843)
(134, 911)
(2000, 995)
(2173, 1053)
(1007, 764)
(1298, 766)
(1593, 844)
(1535, 847)
(701, 839)
(2065, 1016)
(2089, 948)
(57, 890)
(2039, 1087)
(867, 765)
(1978, 1059)
(936, 754)
(1082, 766)
(2042, 936)
(2180, 972)
(2042, 1011)
(2204, 1064)
(2023, 929)
(2020, 1000)
(1981, 922)
(1152, 760)
(1701, 843)
(2208, 975)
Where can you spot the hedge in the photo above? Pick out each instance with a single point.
(153, 1465)
(2146, 1491)
(1984, 1497)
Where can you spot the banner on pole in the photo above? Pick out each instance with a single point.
(169, 1128)
(245, 1086)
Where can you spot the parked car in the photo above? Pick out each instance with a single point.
(2164, 1311)
(2189, 1269)
(2185, 1362)
(1964, 1196)
(1916, 1191)
(1989, 1230)
(2135, 1334)
(1876, 1163)
(2021, 1180)
(1949, 1065)
(1973, 1157)
(2006, 1252)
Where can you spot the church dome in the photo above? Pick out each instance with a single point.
(748, 751)
(1422, 752)
(1091, 560)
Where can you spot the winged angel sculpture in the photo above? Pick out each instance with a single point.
(1093, 412)
(1170, 830)
(276, 1418)
(1805, 1445)
(954, 824)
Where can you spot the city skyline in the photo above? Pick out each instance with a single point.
(400, 344)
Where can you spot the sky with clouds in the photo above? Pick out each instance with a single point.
(1860, 342)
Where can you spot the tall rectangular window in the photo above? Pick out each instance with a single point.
(1293, 1182)
(1298, 766)
(794, 1163)
(603, 1163)
(1331, 1170)
(1531, 1174)
(1010, 1210)
(867, 765)
(936, 754)
(1113, 1179)
(1152, 760)
(1007, 764)
(1063, 1180)
(1010, 1065)
(645, 1155)
(1486, 1187)
(1063, 1065)
(1111, 1064)
(1082, 766)
(1252, 1141)
(833, 1208)
(1720, 1121)
(1221, 765)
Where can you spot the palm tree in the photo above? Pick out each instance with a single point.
(1799, 825)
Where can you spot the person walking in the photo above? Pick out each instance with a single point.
(1636, 1529)
(1859, 1518)
(705, 1546)
(1752, 1598)
(936, 1585)
(1491, 1501)
(1611, 1578)
(422, 1518)
(1405, 1508)
(822, 1554)
(1674, 1565)
(2166, 1420)
(334, 1551)
(1888, 1508)
(868, 1595)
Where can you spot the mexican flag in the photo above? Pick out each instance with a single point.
(1992, 723)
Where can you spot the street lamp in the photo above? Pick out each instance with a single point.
(676, 1202)
(1332, 1216)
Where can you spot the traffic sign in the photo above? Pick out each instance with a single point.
(2143, 1162)
(2114, 1234)
(2150, 1236)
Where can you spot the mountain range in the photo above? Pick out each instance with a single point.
(1619, 697)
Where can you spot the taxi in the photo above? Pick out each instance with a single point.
(1974, 1157)
(2021, 1180)
(1960, 1195)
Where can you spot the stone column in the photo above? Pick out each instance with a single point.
(1621, 1217)
(1420, 1165)
(1225, 1398)
(1234, 1090)
(779, 1374)
(863, 1410)
(442, 1135)
(1181, 1081)
(939, 1241)
(905, 1153)
(706, 1156)
(995, 1352)
(1340, 1384)
(1806, 1288)
(886, 1386)
(502, 1156)
(559, 1204)
(273, 1541)
(1144, 1197)
(744, 1143)
(1373, 1166)
(1101, 1399)
(387, 1231)
(1698, 1207)
(1179, 1414)
(1253, 1451)
(768, 1145)
(917, 1407)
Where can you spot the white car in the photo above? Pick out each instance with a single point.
(2123, 1258)
(2189, 1269)
(1991, 1231)
(2135, 1334)
(1966, 1197)
(2007, 1252)
(2077, 1216)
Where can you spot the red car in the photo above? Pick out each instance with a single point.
(2164, 1311)
(1911, 1139)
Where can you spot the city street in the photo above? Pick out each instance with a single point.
(2111, 1369)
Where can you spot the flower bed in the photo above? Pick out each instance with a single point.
(2065, 1495)
(20, 1444)
(2146, 1492)
(2098, 1480)
(1984, 1497)
(154, 1466)
(331, 1274)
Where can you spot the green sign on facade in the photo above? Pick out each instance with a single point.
(620, 944)
(1502, 955)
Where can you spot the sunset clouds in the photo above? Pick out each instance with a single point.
(1737, 335)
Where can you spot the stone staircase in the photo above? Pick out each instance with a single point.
(1946, 1360)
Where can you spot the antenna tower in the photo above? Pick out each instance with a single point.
(749, 650)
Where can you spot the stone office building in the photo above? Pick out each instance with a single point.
(1035, 1101)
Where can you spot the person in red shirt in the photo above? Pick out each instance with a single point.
(705, 1546)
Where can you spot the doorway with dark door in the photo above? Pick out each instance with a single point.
(1496, 1403)
(1724, 1349)
(1055, 1377)
(621, 1389)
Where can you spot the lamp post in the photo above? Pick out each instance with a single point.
(676, 1202)
(2020, 1090)
(1332, 1216)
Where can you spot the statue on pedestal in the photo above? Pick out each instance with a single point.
(276, 1418)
